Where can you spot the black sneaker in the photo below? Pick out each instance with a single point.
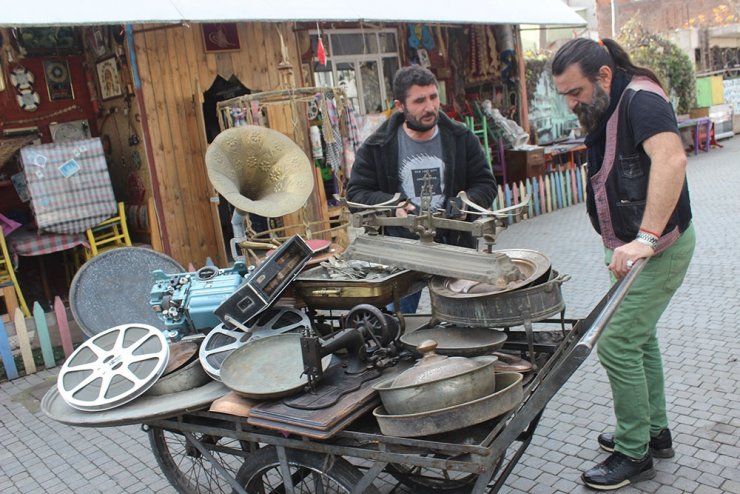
(617, 471)
(661, 446)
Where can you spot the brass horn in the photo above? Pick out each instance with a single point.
(259, 170)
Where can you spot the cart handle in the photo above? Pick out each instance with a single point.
(619, 291)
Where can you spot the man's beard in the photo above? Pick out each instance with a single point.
(416, 125)
(591, 114)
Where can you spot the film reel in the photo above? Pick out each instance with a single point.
(220, 341)
(113, 367)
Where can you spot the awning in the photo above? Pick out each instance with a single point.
(92, 12)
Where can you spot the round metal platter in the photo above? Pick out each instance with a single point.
(113, 289)
(139, 411)
(113, 367)
(220, 341)
(534, 265)
(267, 368)
(457, 341)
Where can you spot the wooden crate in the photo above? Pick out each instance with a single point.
(523, 164)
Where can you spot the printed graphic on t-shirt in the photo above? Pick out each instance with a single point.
(413, 171)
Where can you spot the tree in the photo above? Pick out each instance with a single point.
(666, 59)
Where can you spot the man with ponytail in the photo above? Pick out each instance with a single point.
(638, 201)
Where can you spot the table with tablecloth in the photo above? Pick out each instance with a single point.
(69, 185)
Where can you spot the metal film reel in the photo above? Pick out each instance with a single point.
(113, 367)
(220, 341)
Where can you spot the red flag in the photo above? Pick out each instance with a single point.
(321, 52)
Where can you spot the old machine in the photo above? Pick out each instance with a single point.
(297, 376)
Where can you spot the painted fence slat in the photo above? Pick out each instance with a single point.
(532, 198)
(580, 185)
(507, 196)
(568, 192)
(547, 206)
(7, 355)
(536, 195)
(500, 198)
(42, 330)
(63, 326)
(24, 342)
(574, 185)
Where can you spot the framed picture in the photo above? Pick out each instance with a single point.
(56, 40)
(109, 79)
(221, 36)
(58, 80)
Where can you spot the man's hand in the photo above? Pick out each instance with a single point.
(406, 208)
(630, 252)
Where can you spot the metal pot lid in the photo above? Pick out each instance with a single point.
(457, 340)
(113, 288)
(433, 367)
(532, 266)
(113, 367)
(266, 368)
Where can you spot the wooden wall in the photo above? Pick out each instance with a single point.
(175, 70)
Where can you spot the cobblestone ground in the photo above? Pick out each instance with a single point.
(698, 334)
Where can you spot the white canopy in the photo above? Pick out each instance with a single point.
(21, 13)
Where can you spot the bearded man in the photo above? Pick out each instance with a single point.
(638, 201)
(419, 141)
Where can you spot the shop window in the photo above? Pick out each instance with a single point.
(360, 61)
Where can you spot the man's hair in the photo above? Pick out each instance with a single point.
(591, 56)
(410, 76)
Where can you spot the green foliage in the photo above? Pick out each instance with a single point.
(670, 64)
(534, 65)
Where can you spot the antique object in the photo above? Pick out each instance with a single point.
(320, 290)
(457, 340)
(437, 381)
(508, 394)
(221, 340)
(113, 367)
(259, 170)
(113, 289)
(267, 368)
(511, 308)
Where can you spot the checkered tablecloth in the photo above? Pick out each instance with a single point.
(69, 185)
(27, 243)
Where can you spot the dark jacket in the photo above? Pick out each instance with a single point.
(374, 178)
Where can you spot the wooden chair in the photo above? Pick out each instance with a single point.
(10, 290)
(108, 234)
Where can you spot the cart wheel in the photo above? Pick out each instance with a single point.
(186, 468)
(310, 473)
(434, 480)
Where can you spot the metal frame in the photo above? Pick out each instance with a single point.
(484, 458)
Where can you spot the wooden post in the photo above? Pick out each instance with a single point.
(42, 330)
(24, 342)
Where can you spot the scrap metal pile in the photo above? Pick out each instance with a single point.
(295, 340)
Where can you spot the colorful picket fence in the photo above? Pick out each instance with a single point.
(43, 335)
(557, 189)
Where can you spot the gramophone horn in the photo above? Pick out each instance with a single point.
(259, 170)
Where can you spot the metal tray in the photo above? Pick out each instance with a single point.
(321, 292)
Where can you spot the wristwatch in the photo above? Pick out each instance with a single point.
(647, 239)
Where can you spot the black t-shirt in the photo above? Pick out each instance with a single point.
(649, 115)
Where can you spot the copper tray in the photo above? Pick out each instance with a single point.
(321, 292)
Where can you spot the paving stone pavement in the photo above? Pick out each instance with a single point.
(698, 334)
